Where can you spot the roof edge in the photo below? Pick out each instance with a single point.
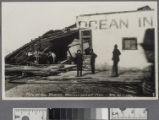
(142, 9)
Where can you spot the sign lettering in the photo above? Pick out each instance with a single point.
(104, 24)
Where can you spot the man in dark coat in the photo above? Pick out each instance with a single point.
(92, 62)
(79, 61)
(115, 59)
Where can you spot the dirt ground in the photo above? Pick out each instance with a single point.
(66, 84)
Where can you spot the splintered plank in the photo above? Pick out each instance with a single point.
(40, 70)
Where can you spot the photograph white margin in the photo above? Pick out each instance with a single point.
(89, 98)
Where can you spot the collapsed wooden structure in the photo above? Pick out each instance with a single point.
(56, 41)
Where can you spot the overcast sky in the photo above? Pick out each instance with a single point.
(23, 21)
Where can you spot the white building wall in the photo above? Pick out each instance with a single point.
(109, 29)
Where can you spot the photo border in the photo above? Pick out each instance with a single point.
(83, 98)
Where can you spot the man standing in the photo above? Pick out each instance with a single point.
(93, 57)
(79, 62)
(115, 59)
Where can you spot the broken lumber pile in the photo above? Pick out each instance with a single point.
(148, 85)
(53, 40)
(41, 70)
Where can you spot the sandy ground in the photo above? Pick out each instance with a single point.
(101, 84)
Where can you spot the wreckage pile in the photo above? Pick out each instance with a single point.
(56, 41)
(38, 70)
(24, 62)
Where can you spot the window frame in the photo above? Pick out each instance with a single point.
(129, 38)
(82, 36)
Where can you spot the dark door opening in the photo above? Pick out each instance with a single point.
(86, 40)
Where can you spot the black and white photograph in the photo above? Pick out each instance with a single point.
(79, 51)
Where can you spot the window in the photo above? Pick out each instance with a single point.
(129, 44)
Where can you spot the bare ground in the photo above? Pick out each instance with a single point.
(67, 84)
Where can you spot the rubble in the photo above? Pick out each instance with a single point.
(52, 40)
(38, 70)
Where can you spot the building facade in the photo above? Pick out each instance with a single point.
(127, 29)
